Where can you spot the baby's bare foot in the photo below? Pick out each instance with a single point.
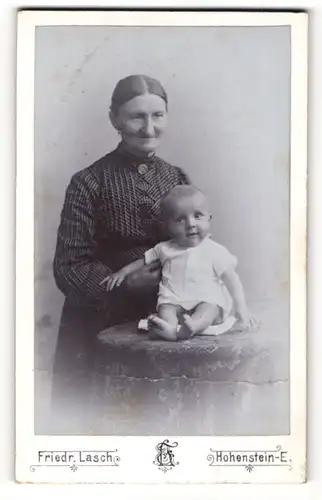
(187, 329)
(160, 328)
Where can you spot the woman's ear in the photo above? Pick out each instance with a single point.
(115, 120)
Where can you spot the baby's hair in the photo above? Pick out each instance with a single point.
(181, 191)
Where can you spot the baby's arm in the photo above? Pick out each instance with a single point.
(236, 290)
(116, 279)
(151, 257)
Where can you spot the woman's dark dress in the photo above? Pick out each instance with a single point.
(110, 217)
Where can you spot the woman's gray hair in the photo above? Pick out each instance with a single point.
(133, 86)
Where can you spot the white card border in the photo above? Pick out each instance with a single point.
(26, 443)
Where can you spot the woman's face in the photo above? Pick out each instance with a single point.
(141, 122)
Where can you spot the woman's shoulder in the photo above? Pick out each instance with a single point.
(92, 173)
(168, 169)
(166, 164)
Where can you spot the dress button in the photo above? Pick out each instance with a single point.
(142, 169)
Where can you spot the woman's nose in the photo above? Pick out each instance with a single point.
(148, 127)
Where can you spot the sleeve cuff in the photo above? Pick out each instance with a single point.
(150, 256)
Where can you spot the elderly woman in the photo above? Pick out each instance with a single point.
(110, 218)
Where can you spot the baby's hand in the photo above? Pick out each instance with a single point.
(114, 279)
(247, 321)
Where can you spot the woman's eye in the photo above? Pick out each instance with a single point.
(158, 115)
(198, 215)
(135, 116)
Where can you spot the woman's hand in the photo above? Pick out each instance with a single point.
(145, 279)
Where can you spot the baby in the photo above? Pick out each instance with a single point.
(199, 285)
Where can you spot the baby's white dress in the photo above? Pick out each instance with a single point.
(192, 275)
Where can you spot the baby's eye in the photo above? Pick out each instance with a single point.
(180, 220)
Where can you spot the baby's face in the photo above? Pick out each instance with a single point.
(189, 221)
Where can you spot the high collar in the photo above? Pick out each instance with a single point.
(133, 159)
